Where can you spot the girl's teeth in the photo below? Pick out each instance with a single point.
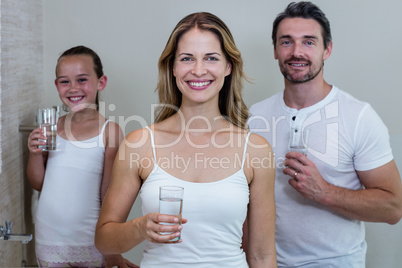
(199, 84)
(75, 98)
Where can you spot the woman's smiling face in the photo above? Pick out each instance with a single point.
(200, 66)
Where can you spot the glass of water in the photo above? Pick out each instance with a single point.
(47, 121)
(171, 203)
(296, 142)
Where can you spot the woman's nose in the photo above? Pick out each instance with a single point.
(199, 68)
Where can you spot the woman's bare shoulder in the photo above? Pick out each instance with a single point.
(137, 138)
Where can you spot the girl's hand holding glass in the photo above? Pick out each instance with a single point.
(34, 141)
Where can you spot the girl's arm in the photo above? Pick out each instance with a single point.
(112, 139)
(261, 215)
(113, 234)
(37, 160)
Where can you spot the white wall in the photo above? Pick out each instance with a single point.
(130, 35)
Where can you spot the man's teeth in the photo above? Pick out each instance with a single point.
(299, 64)
(199, 84)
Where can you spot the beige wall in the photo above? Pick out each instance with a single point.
(21, 94)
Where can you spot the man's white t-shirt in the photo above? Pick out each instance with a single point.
(342, 135)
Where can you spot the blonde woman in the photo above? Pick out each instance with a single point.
(199, 142)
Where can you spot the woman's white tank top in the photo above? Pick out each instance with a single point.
(215, 212)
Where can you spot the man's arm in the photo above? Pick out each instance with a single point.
(379, 201)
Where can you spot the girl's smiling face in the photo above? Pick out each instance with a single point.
(76, 81)
(200, 66)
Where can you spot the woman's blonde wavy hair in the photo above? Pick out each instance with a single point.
(231, 104)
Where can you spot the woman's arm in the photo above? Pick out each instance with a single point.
(112, 139)
(113, 234)
(261, 215)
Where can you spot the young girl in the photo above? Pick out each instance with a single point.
(73, 179)
(199, 142)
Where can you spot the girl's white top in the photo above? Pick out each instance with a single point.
(70, 201)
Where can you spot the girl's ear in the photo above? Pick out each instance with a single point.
(102, 82)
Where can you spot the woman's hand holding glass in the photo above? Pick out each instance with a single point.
(151, 226)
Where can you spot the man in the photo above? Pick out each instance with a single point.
(345, 174)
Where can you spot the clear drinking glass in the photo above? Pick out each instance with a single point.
(47, 121)
(171, 202)
(296, 142)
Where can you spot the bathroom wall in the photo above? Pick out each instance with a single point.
(21, 94)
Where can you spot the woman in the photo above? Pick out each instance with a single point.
(199, 142)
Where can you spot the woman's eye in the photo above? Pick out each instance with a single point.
(212, 59)
(185, 59)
